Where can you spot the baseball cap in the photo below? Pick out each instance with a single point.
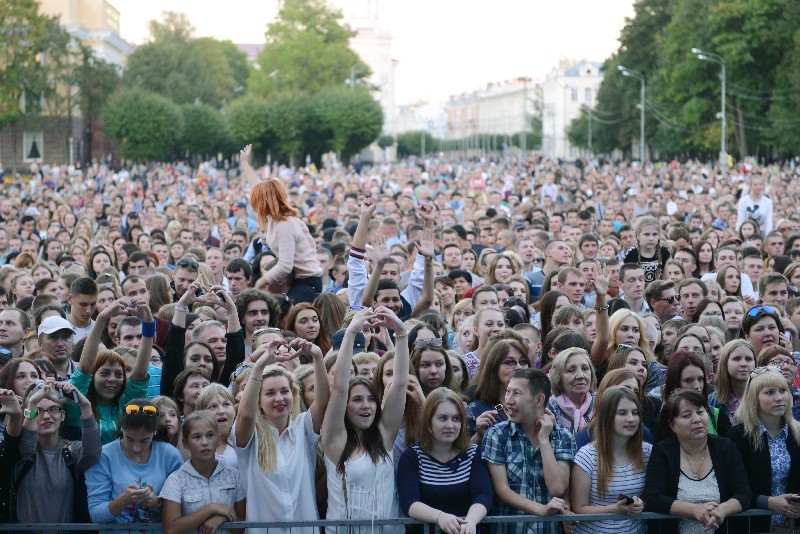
(359, 344)
(54, 324)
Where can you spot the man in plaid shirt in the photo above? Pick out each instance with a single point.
(529, 460)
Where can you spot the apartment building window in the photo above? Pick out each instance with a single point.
(574, 94)
(588, 96)
(33, 146)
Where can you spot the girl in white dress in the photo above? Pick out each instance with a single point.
(359, 467)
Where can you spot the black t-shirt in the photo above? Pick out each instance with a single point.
(653, 267)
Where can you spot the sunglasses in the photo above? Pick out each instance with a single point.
(761, 370)
(758, 309)
(188, 264)
(260, 331)
(240, 370)
(672, 300)
(147, 409)
(538, 261)
(428, 343)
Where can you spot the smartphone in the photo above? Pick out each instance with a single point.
(142, 484)
(628, 500)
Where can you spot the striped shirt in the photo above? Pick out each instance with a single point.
(625, 480)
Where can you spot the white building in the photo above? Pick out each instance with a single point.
(500, 108)
(94, 23)
(565, 91)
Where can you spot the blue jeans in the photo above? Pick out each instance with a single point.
(305, 289)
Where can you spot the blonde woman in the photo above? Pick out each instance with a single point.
(276, 447)
(768, 438)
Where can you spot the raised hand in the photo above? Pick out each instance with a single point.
(601, 282)
(362, 319)
(378, 250)
(485, 421)
(546, 424)
(387, 319)
(9, 403)
(425, 245)
(368, 206)
(244, 154)
(427, 212)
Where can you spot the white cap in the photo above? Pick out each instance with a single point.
(54, 324)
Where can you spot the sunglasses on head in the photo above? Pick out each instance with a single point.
(260, 331)
(761, 370)
(759, 309)
(428, 343)
(188, 264)
(239, 371)
(147, 409)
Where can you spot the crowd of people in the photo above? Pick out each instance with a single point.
(443, 341)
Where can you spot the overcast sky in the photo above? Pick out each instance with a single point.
(444, 47)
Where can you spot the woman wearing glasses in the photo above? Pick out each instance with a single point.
(124, 485)
(442, 477)
(503, 358)
(51, 465)
(285, 234)
(768, 438)
(785, 361)
(358, 433)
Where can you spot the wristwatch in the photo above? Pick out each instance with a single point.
(30, 414)
(601, 308)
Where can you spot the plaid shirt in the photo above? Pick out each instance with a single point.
(506, 444)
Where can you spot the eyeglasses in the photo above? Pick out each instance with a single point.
(188, 264)
(428, 343)
(147, 409)
(782, 363)
(761, 370)
(758, 309)
(511, 362)
(52, 410)
(671, 300)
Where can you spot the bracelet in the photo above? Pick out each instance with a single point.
(181, 307)
(256, 378)
(149, 329)
(601, 308)
(403, 334)
(438, 516)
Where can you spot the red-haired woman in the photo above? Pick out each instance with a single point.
(285, 234)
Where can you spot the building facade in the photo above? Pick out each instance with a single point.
(566, 89)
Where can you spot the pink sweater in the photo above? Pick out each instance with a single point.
(295, 248)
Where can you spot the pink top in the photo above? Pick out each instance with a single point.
(292, 243)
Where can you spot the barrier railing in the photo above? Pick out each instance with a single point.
(362, 523)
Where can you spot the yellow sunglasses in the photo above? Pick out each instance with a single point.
(147, 409)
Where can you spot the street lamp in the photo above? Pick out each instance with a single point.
(635, 74)
(702, 55)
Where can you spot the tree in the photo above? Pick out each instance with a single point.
(26, 37)
(248, 122)
(146, 126)
(307, 49)
(385, 141)
(411, 143)
(187, 70)
(205, 131)
(353, 118)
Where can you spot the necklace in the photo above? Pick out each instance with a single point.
(695, 472)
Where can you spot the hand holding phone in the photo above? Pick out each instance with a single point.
(623, 497)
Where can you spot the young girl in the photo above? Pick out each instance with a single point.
(612, 468)
(648, 252)
(218, 401)
(205, 492)
(169, 421)
(361, 482)
(443, 478)
(733, 371)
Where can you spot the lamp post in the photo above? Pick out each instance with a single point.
(702, 55)
(523, 138)
(636, 74)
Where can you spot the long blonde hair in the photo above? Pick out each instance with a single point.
(747, 414)
(266, 433)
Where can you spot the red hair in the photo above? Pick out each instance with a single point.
(269, 199)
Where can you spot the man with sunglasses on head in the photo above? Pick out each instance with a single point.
(663, 299)
(183, 276)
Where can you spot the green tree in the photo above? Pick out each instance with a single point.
(307, 49)
(146, 126)
(411, 143)
(247, 119)
(205, 131)
(353, 118)
(385, 141)
(26, 39)
(185, 69)
(578, 130)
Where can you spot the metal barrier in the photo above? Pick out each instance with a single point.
(288, 525)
